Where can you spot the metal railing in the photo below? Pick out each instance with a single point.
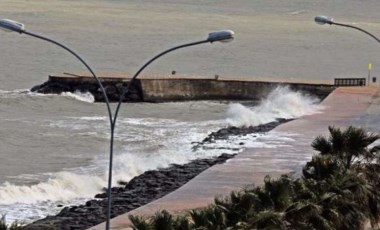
(350, 81)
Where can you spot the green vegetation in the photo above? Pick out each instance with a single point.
(13, 226)
(338, 189)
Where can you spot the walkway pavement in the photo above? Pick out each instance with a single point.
(343, 107)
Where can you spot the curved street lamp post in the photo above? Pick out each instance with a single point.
(322, 20)
(13, 26)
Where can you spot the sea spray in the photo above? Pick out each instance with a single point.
(77, 95)
(62, 186)
(14, 94)
(85, 97)
(280, 103)
(168, 142)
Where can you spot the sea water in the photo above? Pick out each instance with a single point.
(144, 141)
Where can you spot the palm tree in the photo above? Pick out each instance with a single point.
(348, 146)
(347, 166)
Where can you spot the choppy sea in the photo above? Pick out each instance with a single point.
(49, 162)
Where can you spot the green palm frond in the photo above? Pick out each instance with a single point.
(243, 206)
(181, 223)
(321, 167)
(337, 140)
(3, 225)
(322, 145)
(279, 191)
(268, 220)
(306, 215)
(209, 218)
(140, 223)
(199, 218)
(162, 220)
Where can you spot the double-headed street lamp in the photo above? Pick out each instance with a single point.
(13, 26)
(322, 20)
(221, 36)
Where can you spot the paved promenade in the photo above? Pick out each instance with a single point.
(343, 107)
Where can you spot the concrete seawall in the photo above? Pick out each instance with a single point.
(162, 88)
(156, 90)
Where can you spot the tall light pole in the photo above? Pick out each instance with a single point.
(322, 20)
(218, 36)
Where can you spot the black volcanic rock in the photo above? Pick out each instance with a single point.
(112, 90)
(225, 133)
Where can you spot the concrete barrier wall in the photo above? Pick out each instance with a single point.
(157, 90)
(161, 89)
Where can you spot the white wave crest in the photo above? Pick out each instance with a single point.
(280, 103)
(63, 187)
(77, 95)
(94, 118)
(14, 93)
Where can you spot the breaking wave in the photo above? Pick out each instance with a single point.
(85, 97)
(280, 103)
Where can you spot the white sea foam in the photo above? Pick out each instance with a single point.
(14, 93)
(280, 103)
(77, 95)
(95, 118)
(62, 186)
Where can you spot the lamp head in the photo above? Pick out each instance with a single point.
(11, 26)
(321, 20)
(221, 36)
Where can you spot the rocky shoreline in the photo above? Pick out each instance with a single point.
(145, 188)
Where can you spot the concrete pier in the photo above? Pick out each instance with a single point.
(342, 108)
(176, 87)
